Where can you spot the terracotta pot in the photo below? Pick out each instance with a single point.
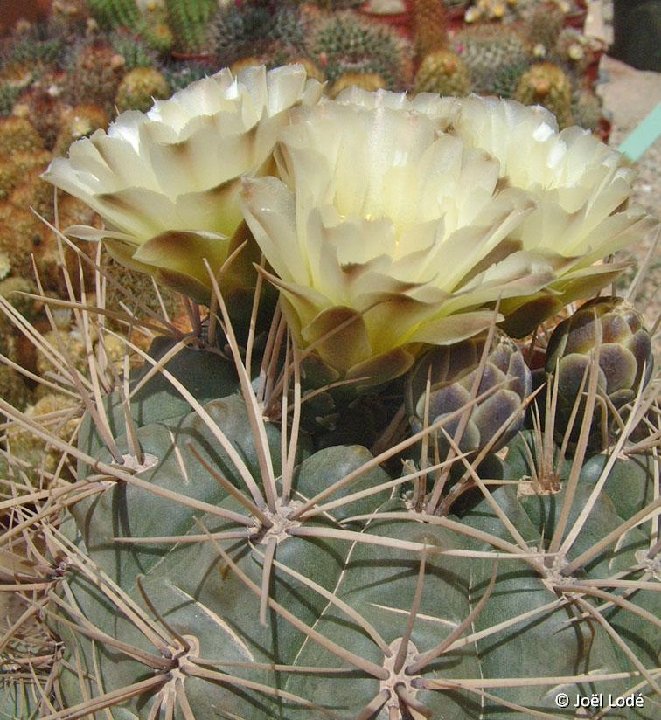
(198, 57)
(603, 130)
(456, 19)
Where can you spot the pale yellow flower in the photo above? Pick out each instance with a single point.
(166, 183)
(385, 234)
(581, 188)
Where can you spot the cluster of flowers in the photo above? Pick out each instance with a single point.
(387, 222)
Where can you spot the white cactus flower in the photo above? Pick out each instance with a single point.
(166, 182)
(581, 189)
(386, 234)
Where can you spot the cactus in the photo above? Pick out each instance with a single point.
(544, 24)
(199, 527)
(587, 109)
(343, 42)
(243, 31)
(429, 26)
(444, 72)
(189, 21)
(135, 51)
(205, 556)
(8, 97)
(113, 14)
(575, 52)
(95, 71)
(546, 84)
(77, 122)
(182, 74)
(496, 58)
(139, 88)
(18, 135)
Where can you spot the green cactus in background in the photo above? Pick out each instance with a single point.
(189, 21)
(94, 73)
(257, 28)
(112, 14)
(495, 56)
(8, 96)
(181, 74)
(444, 72)
(548, 85)
(140, 87)
(343, 42)
(367, 81)
(136, 52)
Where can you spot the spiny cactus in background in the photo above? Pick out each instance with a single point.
(135, 51)
(496, 57)
(8, 96)
(93, 76)
(430, 26)
(252, 28)
(337, 4)
(444, 72)
(155, 31)
(140, 87)
(343, 42)
(544, 23)
(189, 21)
(112, 14)
(547, 84)
(38, 45)
(612, 332)
(575, 52)
(21, 150)
(18, 134)
(587, 109)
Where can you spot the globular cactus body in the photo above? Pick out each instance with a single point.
(547, 84)
(344, 43)
(140, 87)
(174, 568)
(112, 14)
(496, 58)
(444, 72)
(189, 21)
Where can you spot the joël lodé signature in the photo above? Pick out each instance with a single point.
(601, 700)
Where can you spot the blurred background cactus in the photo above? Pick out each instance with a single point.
(189, 22)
